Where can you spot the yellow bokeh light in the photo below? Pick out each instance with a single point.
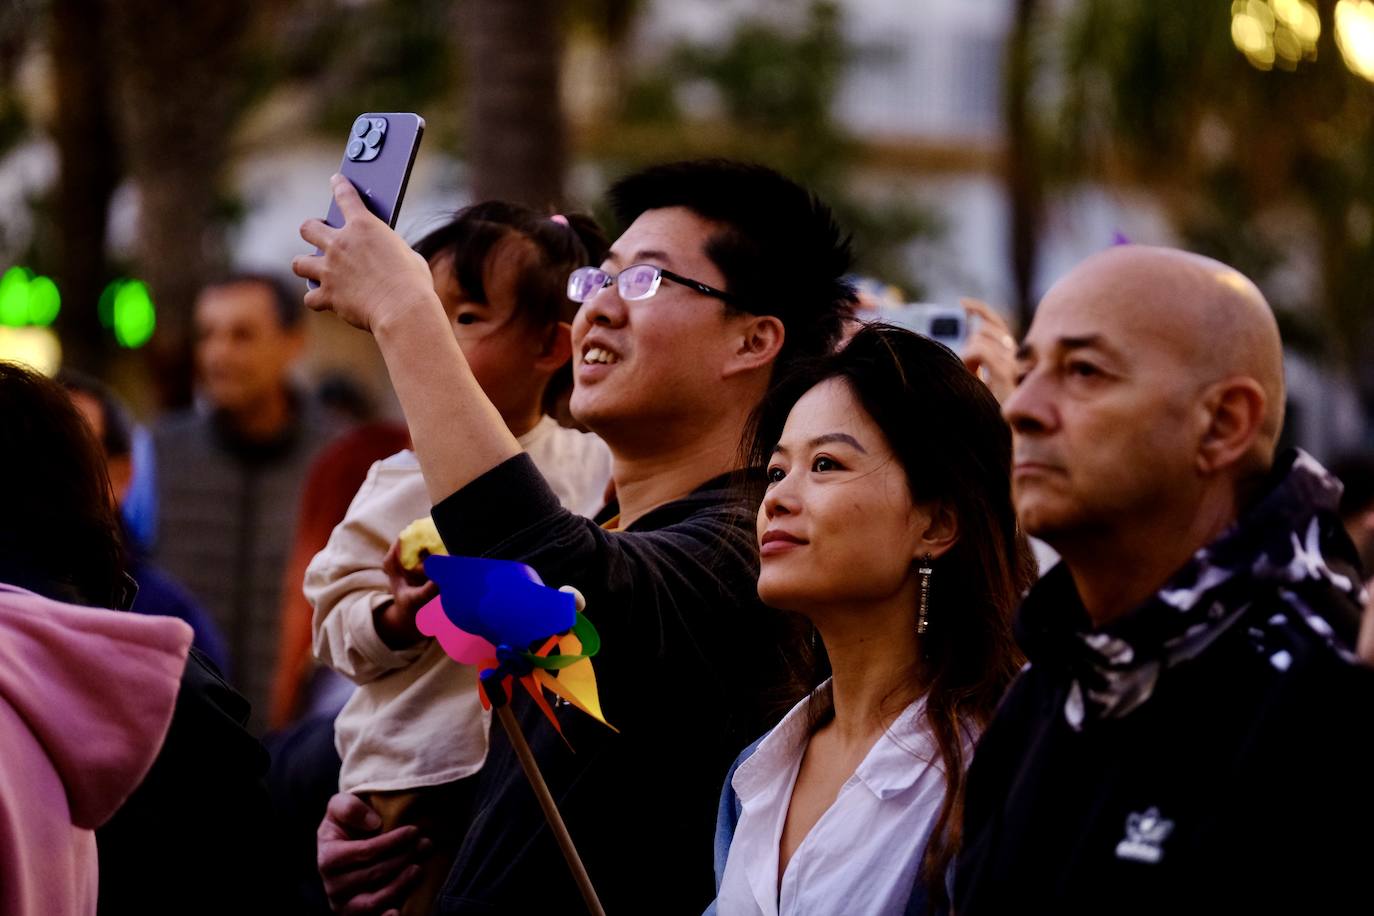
(35, 347)
(1286, 11)
(1266, 30)
(1355, 35)
(1308, 26)
(1249, 36)
(1261, 12)
(1287, 46)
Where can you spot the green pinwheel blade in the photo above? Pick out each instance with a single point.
(591, 644)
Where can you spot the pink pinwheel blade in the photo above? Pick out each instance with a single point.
(459, 645)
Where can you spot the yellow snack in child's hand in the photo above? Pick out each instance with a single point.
(420, 539)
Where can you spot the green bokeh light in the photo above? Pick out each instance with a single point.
(44, 301)
(14, 297)
(105, 307)
(134, 314)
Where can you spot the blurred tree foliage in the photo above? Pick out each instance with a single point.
(156, 93)
(766, 93)
(349, 57)
(17, 18)
(1272, 171)
(17, 24)
(178, 94)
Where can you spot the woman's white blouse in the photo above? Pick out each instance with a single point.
(863, 854)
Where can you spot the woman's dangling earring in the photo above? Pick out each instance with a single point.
(923, 617)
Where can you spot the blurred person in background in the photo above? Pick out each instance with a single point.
(1356, 474)
(344, 399)
(414, 731)
(229, 473)
(86, 695)
(1191, 734)
(111, 721)
(306, 696)
(303, 687)
(157, 592)
(1365, 648)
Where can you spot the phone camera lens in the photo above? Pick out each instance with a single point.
(374, 139)
(361, 127)
(355, 149)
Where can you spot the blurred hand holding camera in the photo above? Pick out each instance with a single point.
(367, 274)
(990, 351)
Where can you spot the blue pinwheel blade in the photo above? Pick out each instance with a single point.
(502, 601)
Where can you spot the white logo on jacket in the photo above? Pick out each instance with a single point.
(1145, 836)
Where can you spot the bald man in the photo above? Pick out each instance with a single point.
(1192, 732)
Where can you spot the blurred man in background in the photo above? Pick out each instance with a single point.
(1356, 474)
(157, 593)
(229, 473)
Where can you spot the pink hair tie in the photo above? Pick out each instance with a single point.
(560, 219)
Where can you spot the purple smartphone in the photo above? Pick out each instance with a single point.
(380, 152)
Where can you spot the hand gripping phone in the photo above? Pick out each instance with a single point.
(377, 160)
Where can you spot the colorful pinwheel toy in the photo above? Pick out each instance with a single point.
(499, 616)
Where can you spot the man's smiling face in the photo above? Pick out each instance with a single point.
(657, 359)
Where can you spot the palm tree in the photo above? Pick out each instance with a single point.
(88, 156)
(516, 140)
(180, 91)
(1257, 168)
(1021, 170)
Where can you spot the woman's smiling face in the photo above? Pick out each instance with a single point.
(837, 524)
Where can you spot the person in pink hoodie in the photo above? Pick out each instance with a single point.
(86, 695)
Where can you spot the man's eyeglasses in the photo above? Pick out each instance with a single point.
(636, 282)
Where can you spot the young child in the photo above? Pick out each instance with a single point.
(414, 729)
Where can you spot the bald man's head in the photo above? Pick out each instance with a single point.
(1209, 317)
(1150, 375)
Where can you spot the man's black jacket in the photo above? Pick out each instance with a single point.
(686, 650)
(1212, 752)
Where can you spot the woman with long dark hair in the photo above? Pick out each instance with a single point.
(886, 523)
(108, 726)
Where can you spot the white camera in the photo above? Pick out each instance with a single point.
(946, 324)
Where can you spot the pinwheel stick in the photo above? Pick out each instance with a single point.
(541, 791)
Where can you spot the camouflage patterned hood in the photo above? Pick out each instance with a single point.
(1288, 549)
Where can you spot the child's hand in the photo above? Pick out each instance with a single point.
(410, 591)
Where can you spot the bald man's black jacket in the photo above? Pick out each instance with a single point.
(1212, 752)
